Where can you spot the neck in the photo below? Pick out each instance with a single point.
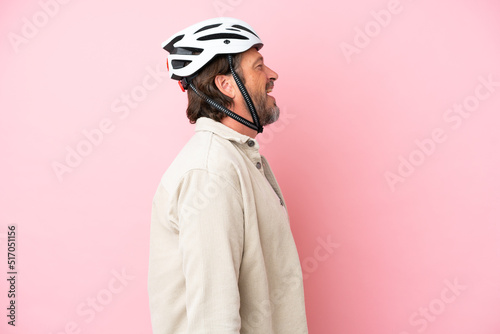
(237, 126)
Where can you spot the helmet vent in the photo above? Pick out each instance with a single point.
(170, 45)
(176, 64)
(221, 36)
(246, 29)
(186, 51)
(208, 27)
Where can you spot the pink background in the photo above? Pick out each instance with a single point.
(348, 120)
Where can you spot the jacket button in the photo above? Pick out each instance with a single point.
(251, 143)
(258, 165)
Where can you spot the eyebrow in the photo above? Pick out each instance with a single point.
(258, 59)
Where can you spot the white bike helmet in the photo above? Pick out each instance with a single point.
(194, 47)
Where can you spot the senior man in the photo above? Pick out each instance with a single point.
(223, 259)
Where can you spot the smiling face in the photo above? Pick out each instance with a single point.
(259, 81)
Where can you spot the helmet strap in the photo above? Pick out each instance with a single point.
(246, 96)
(187, 82)
(228, 112)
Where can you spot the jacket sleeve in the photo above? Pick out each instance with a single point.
(211, 232)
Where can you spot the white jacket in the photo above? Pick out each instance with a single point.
(222, 258)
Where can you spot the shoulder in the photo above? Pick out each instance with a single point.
(205, 153)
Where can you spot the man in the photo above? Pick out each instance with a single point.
(222, 258)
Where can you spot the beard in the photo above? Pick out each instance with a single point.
(266, 108)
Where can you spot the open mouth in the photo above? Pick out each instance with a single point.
(269, 87)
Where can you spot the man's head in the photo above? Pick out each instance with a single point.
(217, 82)
(258, 80)
(205, 83)
(199, 58)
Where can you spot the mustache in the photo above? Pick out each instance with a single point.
(270, 85)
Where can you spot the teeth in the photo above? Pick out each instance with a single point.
(269, 90)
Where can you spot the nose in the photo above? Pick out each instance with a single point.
(271, 74)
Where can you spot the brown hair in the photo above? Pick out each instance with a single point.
(205, 84)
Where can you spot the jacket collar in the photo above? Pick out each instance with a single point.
(208, 124)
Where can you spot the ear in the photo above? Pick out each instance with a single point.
(225, 83)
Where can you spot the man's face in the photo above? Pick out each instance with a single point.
(259, 81)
